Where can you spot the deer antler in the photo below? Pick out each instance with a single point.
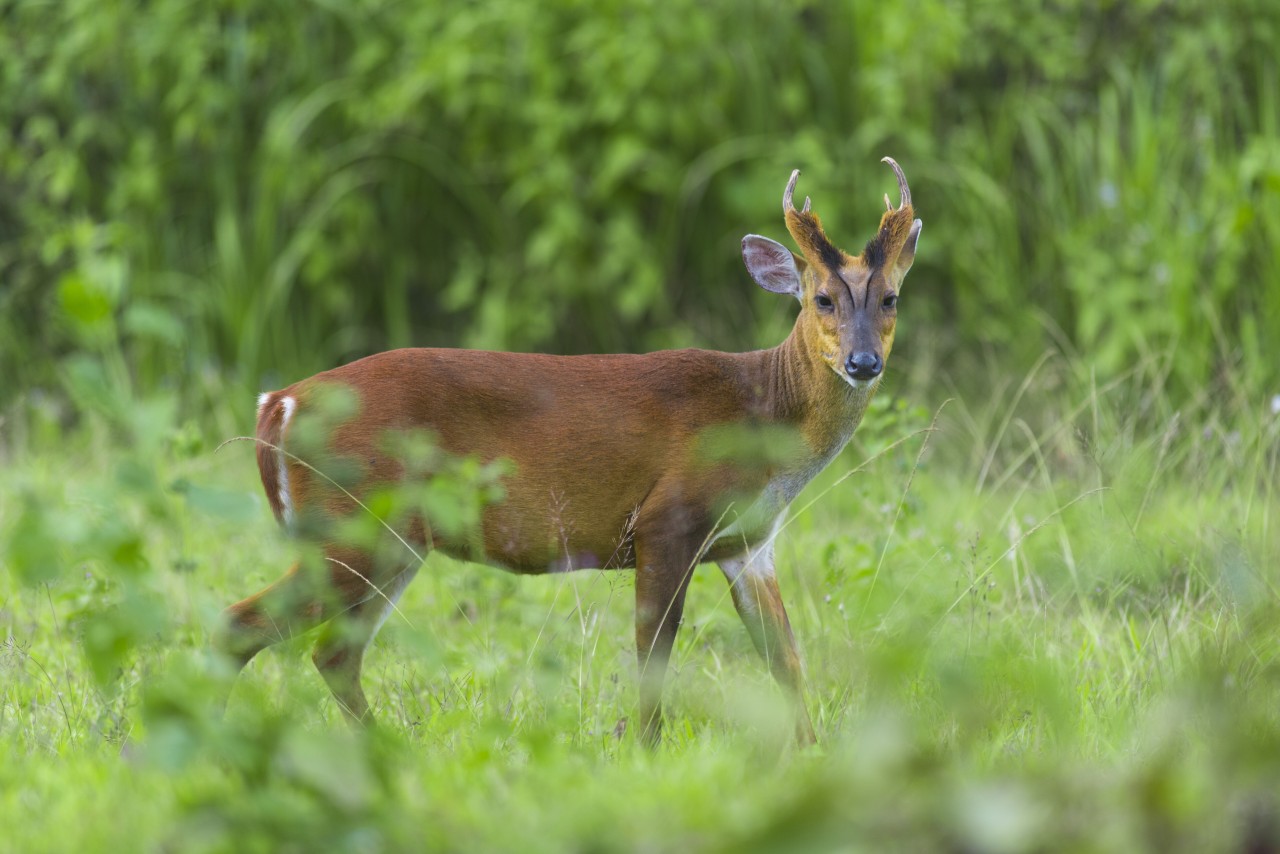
(903, 190)
(786, 195)
(895, 225)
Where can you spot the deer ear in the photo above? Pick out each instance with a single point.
(772, 265)
(908, 253)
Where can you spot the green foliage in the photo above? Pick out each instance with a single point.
(267, 189)
(1040, 617)
(1048, 623)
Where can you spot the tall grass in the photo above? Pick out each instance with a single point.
(262, 192)
(1048, 622)
(1038, 602)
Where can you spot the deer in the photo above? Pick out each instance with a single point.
(658, 462)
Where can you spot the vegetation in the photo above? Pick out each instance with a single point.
(1057, 627)
(1038, 595)
(260, 190)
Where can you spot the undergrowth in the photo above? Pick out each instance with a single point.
(1044, 618)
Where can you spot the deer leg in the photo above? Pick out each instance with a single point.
(663, 569)
(755, 594)
(286, 608)
(339, 654)
(304, 598)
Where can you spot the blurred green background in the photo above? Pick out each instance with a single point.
(255, 192)
(1044, 615)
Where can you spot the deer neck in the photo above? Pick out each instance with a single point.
(805, 391)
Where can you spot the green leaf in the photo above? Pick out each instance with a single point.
(87, 305)
(220, 503)
(148, 320)
(33, 552)
(110, 634)
(332, 766)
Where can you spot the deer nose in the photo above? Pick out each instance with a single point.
(864, 365)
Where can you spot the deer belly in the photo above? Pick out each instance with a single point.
(532, 538)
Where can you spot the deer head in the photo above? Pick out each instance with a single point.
(848, 302)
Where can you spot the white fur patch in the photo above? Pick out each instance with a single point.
(735, 572)
(263, 399)
(756, 563)
(282, 468)
(860, 385)
(742, 572)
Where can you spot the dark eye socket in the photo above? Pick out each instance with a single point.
(890, 300)
(823, 301)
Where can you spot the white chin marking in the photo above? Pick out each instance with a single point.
(860, 385)
(282, 468)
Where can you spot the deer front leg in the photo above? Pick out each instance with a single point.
(759, 603)
(663, 569)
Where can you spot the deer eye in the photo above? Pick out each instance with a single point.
(890, 301)
(824, 302)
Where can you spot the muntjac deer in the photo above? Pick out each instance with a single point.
(658, 461)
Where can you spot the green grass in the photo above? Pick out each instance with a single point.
(1053, 628)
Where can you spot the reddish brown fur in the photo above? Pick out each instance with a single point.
(611, 469)
(593, 438)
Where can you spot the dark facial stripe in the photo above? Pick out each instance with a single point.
(853, 300)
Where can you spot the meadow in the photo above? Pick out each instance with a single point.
(1032, 621)
(1038, 595)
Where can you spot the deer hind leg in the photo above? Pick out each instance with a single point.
(304, 598)
(759, 603)
(287, 608)
(339, 655)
